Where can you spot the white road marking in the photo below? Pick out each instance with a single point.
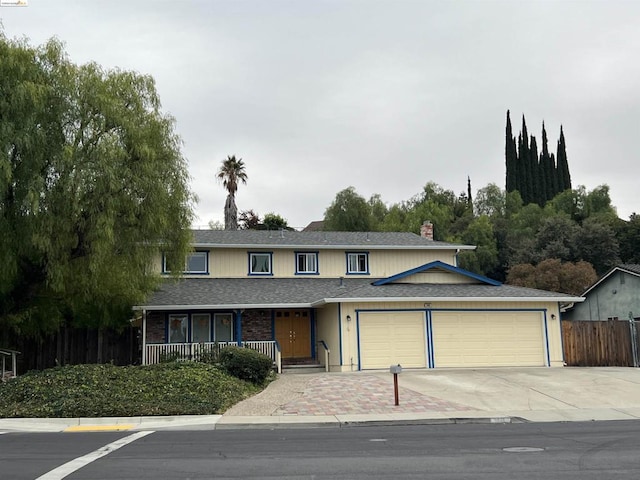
(76, 464)
(2, 433)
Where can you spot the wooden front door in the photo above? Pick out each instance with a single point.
(293, 333)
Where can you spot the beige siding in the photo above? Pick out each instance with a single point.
(327, 328)
(488, 339)
(228, 263)
(234, 263)
(437, 277)
(392, 338)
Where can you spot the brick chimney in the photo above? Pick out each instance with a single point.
(426, 230)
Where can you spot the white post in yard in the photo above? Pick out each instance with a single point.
(144, 336)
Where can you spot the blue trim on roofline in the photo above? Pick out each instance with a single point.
(437, 264)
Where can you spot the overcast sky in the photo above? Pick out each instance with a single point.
(384, 96)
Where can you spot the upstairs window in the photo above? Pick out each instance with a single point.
(306, 263)
(260, 263)
(195, 263)
(358, 262)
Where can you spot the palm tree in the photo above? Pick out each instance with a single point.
(231, 172)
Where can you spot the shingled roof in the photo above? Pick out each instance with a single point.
(325, 240)
(630, 268)
(210, 293)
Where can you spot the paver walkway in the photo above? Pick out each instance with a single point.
(361, 394)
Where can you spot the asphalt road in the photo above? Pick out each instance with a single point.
(593, 450)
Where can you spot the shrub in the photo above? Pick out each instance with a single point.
(246, 364)
(177, 388)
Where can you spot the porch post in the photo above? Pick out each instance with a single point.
(238, 323)
(144, 336)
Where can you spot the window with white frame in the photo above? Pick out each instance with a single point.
(200, 327)
(223, 327)
(260, 263)
(357, 262)
(195, 263)
(178, 331)
(306, 262)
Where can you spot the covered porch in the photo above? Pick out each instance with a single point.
(286, 335)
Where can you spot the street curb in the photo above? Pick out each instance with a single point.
(370, 423)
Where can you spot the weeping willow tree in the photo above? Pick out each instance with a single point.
(93, 186)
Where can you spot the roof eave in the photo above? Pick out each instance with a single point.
(332, 247)
(230, 306)
(453, 299)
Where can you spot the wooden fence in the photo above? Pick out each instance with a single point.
(611, 343)
(71, 346)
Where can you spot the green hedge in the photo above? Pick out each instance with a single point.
(177, 388)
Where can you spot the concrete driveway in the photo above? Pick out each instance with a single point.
(534, 394)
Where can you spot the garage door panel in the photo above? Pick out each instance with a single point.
(477, 339)
(390, 338)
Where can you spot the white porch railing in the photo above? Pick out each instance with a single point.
(157, 352)
(5, 354)
(326, 352)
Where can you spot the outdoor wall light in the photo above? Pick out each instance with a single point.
(348, 318)
(553, 316)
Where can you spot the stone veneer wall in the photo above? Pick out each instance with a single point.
(155, 327)
(256, 325)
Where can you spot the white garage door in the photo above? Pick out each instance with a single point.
(392, 338)
(488, 339)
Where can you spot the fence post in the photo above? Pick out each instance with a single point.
(634, 340)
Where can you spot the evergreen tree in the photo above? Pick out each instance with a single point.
(538, 178)
(524, 172)
(511, 158)
(546, 169)
(535, 172)
(563, 166)
(555, 181)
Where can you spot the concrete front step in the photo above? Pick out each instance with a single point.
(302, 369)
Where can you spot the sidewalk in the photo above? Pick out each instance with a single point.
(425, 397)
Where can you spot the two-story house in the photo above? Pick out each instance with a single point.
(370, 299)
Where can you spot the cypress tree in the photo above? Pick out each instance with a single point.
(523, 184)
(511, 158)
(546, 171)
(563, 165)
(555, 180)
(534, 173)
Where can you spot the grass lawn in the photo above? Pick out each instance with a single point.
(174, 388)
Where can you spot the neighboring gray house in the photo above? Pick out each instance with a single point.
(615, 296)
